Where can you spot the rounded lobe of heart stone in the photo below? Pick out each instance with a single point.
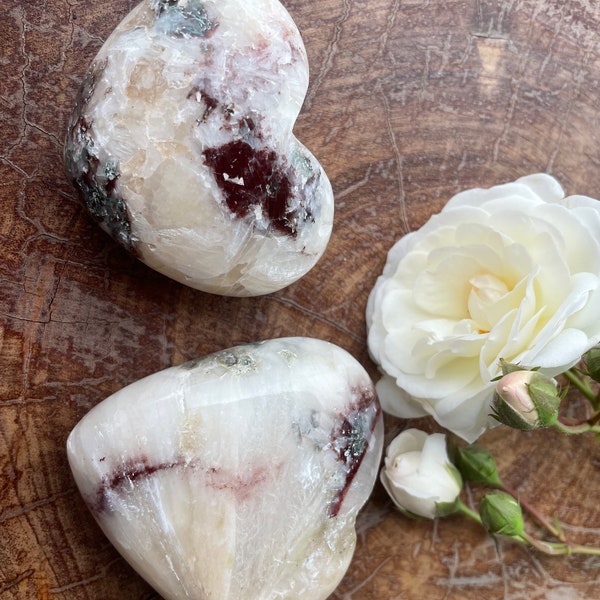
(239, 475)
(181, 145)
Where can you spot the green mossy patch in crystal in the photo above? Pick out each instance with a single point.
(94, 179)
(182, 19)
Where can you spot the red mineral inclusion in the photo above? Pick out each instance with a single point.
(253, 178)
(130, 472)
(350, 441)
(352, 438)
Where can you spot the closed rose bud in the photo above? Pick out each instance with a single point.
(501, 514)
(513, 394)
(477, 464)
(419, 476)
(526, 400)
(592, 361)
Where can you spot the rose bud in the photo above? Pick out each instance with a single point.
(592, 362)
(501, 514)
(526, 400)
(477, 464)
(419, 476)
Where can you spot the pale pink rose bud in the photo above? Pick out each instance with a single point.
(514, 390)
(526, 400)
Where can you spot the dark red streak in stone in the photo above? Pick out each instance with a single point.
(251, 178)
(217, 478)
(350, 435)
(131, 471)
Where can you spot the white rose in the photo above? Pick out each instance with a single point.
(510, 272)
(418, 475)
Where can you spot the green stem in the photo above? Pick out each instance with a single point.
(581, 385)
(577, 429)
(571, 422)
(465, 510)
(561, 548)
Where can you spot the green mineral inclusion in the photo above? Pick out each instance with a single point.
(182, 19)
(359, 434)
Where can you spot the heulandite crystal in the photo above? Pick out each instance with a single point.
(238, 476)
(181, 145)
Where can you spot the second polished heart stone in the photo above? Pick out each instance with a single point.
(181, 145)
(238, 476)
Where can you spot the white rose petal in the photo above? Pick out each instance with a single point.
(392, 396)
(509, 272)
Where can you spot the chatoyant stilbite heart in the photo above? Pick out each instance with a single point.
(238, 476)
(181, 145)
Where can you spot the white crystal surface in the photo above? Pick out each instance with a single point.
(238, 476)
(181, 144)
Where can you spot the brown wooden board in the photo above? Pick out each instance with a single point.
(410, 101)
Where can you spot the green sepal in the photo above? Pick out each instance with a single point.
(444, 509)
(507, 415)
(507, 368)
(546, 399)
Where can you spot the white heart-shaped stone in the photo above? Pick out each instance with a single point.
(181, 145)
(237, 476)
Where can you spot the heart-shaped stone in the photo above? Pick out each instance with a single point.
(238, 476)
(181, 145)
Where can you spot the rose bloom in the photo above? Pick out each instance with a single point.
(418, 474)
(509, 272)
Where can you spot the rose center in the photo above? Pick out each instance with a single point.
(486, 291)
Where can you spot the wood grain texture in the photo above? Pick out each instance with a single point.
(410, 101)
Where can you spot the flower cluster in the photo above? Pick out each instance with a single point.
(423, 482)
(500, 279)
(511, 272)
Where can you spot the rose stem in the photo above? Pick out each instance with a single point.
(461, 507)
(561, 549)
(577, 429)
(582, 386)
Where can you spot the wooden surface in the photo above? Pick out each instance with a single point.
(410, 101)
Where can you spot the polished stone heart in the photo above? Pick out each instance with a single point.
(238, 476)
(181, 145)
